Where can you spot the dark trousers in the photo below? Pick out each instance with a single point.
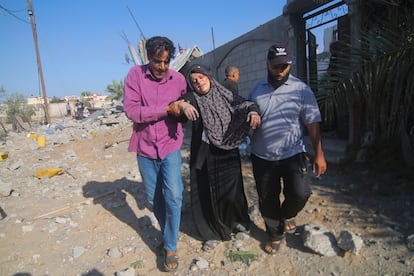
(269, 176)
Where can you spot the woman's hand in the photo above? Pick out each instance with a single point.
(190, 111)
(254, 119)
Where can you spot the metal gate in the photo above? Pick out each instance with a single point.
(331, 13)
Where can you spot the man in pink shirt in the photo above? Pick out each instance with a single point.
(157, 137)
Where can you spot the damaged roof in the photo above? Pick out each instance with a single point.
(184, 57)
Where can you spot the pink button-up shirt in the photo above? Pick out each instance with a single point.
(155, 133)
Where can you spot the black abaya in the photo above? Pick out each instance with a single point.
(218, 200)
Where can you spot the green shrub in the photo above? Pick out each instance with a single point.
(16, 106)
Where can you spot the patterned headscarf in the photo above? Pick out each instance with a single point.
(223, 113)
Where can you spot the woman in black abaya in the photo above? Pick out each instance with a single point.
(221, 122)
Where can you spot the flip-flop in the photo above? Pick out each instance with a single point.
(170, 260)
(290, 225)
(272, 247)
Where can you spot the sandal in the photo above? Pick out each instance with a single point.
(290, 225)
(272, 247)
(170, 262)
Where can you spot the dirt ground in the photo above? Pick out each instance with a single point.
(92, 219)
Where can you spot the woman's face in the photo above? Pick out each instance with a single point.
(200, 83)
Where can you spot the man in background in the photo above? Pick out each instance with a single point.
(232, 78)
(68, 109)
(79, 110)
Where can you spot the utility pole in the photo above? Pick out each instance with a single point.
(136, 23)
(39, 64)
(212, 37)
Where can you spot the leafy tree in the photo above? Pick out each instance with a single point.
(373, 84)
(86, 94)
(116, 89)
(86, 98)
(16, 106)
(2, 93)
(57, 100)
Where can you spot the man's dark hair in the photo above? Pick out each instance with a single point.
(159, 43)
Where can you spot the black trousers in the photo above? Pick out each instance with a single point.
(290, 177)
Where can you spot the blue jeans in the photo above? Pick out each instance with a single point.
(164, 188)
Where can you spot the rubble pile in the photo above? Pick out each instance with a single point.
(73, 204)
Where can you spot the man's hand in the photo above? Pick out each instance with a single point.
(254, 119)
(319, 165)
(173, 108)
(190, 111)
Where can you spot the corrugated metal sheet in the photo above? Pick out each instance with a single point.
(184, 57)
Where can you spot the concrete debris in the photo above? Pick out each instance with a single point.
(210, 245)
(114, 252)
(318, 238)
(5, 188)
(350, 242)
(14, 165)
(77, 251)
(127, 272)
(27, 228)
(61, 220)
(201, 263)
